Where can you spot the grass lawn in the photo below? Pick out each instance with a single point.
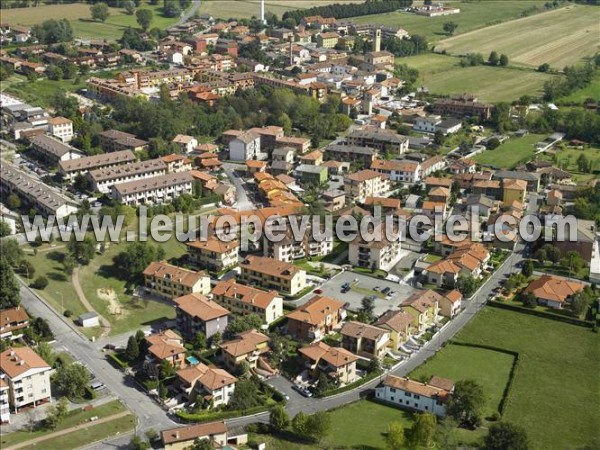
(75, 417)
(551, 354)
(79, 16)
(432, 258)
(581, 95)
(473, 15)
(240, 9)
(567, 159)
(456, 362)
(558, 37)
(511, 152)
(489, 84)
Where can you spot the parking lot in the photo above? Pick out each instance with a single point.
(364, 286)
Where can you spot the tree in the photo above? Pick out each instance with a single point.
(422, 430)
(100, 11)
(493, 59)
(582, 163)
(40, 283)
(244, 323)
(9, 288)
(56, 413)
(466, 403)
(136, 257)
(53, 31)
(129, 7)
(324, 383)
(68, 263)
(544, 67)
(200, 341)
(84, 250)
(503, 60)
(133, 349)
(46, 353)
(580, 303)
(467, 285)
(300, 425)
(4, 229)
(367, 306)
(137, 443)
(506, 436)
(278, 418)
(54, 72)
(144, 18)
(529, 300)
(493, 143)
(319, 425)
(72, 380)
(245, 396)
(216, 339)
(394, 438)
(171, 9)
(450, 28)
(13, 201)
(202, 444)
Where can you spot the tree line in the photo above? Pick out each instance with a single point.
(576, 77)
(341, 11)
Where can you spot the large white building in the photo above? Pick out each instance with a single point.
(155, 190)
(61, 127)
(27, 376)
(245, 147)
(406, 393)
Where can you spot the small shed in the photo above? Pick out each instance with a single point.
(89, 319)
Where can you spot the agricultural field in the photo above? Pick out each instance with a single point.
(473, 15)
(511, 152)
(79, 16)
(245, 9)
(551, 353)
(489, 84)
(558, 37)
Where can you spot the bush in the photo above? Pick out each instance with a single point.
(40, 283)
(68, 313)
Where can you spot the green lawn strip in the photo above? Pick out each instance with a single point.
(473, 15)
(89, 435)
(490, 368)
(511, 152)
(366, 292)
(75, 417)
(432, 258)
(550, 353)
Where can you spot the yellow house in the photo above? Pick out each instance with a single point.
(247, 347)
(328, 40)
(399, 324)
(423, 306)
(514, 190)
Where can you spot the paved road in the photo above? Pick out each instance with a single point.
(188, 14)
(243, 203)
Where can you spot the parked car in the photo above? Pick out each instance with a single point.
(346, 285)
(318, 291)
(302, 390)
(385, 290)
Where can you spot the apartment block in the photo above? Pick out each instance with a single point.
(71, 168)
(406, 393)
(168, 281)
(365, 340)
(61, 128)
(27, 376)
(154, 191)
(213, 254)
(316, 318)
(244, 300)
(53, 150)
(115, 140)
(366, 183)
(103, 179)
(382, 140)
(198, 314)
(270, 273)
(12, 320)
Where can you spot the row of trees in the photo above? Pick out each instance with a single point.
(415, 45)
(575, 77)
(342, 11)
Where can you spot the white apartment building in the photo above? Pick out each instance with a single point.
(366, 183)
(4, 400)
(61, 127)
(380, 254)
(154, 191)
(27, 376)
(403, 171)
(104, 179)
(246, 146)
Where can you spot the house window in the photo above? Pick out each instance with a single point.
(392, 390)
(392, 398)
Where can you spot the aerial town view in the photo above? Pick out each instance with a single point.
(300, 224)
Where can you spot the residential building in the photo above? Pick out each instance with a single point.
(52, 150)
(584, 242)
(4, 400)
(115, 140)
(38, 195)
(334, 199)
(312, 174)
(186, 143)
(352, 153)
(514, 190)
(327, 40)
(105, 177)
(335, 362)
(404, 171)
(382, 140)
(270, 273)
(246, 347)
(381, 254)
(553, 291)
(424, 307)
(61, 128)
(289, 248)
(244, 300)
(463, 106)
(71, 168)
(246, 146)
(532, 179)
(366, 183)
(208, 386)
(177, 163)
(314, 158)
(316, 318)
(425, 397)
(365, 340)
(181, 438)
(168, 281)
(214, 254)
(166, 346)
(154, 191)
(300, 144)
(450, 303)
(198, 314)
(27, 376)
(11, 321)
(399, 325)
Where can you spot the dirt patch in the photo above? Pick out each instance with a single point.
(114, 306)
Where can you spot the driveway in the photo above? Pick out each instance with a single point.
(243, 203)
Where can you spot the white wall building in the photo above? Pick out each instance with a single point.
(61, 128)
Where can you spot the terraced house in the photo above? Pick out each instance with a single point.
(424, 307)
(399, 325)
(365, 340)
(169, 281)
(244, 300)
(154, 191)
(270, 273)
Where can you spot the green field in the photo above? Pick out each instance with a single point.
(79, 16)
(74, 418)
(566, 159)
(511, 152)
(581, 95)
(240, 9)
(554, 394)
(559, 37)
(488, 367)
(473, 15)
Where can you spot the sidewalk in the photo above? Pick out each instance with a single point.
(83, 426)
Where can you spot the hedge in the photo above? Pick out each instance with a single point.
(118, 361)
(544, 314)
(351, 386)
(221, 415)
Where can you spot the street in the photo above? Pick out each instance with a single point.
(243, 203)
